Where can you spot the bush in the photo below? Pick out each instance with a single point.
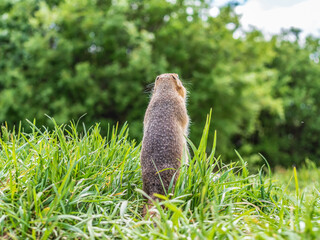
(70, 58)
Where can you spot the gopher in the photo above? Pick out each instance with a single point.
(164, 137)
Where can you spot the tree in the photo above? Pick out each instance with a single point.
(68, 58)
(291, 140)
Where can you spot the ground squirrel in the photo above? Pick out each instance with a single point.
(164, 138)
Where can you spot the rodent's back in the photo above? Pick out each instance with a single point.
(164, 140)
(163, 137)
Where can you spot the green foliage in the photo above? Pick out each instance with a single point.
(62, 184)
(291, 140)
(69, 58)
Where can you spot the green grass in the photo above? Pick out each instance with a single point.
(62, 184)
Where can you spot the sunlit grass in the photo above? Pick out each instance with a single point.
(64, 184)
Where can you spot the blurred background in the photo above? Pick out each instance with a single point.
(255, 63)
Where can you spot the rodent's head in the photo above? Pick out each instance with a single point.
(168, 81)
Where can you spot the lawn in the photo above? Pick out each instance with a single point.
(62, 184)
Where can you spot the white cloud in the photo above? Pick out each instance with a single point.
(304, 15)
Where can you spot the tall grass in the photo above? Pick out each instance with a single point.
(63, 184)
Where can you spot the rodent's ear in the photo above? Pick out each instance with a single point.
(155, 83)
(177, 80)
(179, 87)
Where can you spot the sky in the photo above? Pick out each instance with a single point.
(271, 16)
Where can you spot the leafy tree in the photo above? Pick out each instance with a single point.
(77, 57)
(291, 140)
(67, 58)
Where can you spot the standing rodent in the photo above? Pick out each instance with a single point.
(164, 138)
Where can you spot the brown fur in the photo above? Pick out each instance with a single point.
(165, 128)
